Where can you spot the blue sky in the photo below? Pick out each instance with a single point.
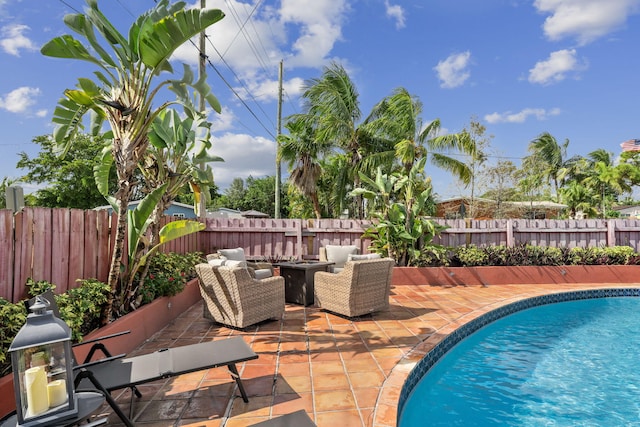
(520, 67)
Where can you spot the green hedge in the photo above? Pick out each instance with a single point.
(523, 255)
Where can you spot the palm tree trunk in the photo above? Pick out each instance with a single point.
(316, 205)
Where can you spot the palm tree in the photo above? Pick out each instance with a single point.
(123, 92)
(606, 179)
(579, 198)
(303, 152)
(547, 150)
(333, 111)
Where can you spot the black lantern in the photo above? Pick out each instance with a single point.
(41, 359)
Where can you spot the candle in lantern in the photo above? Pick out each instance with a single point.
(57, 392)
(35, 380)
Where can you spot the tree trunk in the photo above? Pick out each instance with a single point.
(116, 260)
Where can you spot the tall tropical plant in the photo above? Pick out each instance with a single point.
(333, 111)
(398, 119)
(127, 82)
(400, 229)
(546, 149)
(300, 149)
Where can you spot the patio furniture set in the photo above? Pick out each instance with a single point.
(239, 293)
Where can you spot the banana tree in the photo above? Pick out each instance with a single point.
(128, 80)
(142, 244)
(400, 229)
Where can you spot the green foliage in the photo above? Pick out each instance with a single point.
(434, 256)
(12, 317)
(69, 177)
(168, 274)
(258, 194)
(79, 308)
(529, 255)
(400, 229)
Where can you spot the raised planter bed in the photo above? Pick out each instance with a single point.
(143, 323)
(478, 276)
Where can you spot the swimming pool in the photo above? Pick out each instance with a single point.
(534, 363)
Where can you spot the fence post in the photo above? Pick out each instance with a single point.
(611, 232)
(509, 233)
(298, 223)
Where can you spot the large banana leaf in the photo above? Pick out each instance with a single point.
(173, 230)
(138, 218)
(159, 39)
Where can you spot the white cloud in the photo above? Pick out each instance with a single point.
(522, 116)
(319, 27)
(586, 20)
(223, 121)
(252, 42)
(243, 155)
(13, 39)
(19, 100)
(452, 71)
(555, 68)
(267, 90)
(396, 13)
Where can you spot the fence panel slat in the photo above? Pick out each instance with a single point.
(60, 249)
(7, 249)
(76, 250)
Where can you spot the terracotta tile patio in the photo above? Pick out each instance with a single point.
(342, 372)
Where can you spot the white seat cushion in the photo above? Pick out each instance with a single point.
(235, 263)
(353, 257)
(262, 273)
(339, 254)
(217, 262)
(236, 254)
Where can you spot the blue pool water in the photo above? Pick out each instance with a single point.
(573, 363)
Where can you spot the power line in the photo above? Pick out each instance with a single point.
(242, 31)
(69, 6)
(241, 82)
(234, 92)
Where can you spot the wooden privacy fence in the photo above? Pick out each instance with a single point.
(287, 238)
(63, 245)
(544, 232)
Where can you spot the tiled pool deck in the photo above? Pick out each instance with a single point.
(342, 372)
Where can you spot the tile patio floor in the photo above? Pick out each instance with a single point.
(342, 372)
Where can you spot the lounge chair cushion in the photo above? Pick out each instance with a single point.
(364, 257)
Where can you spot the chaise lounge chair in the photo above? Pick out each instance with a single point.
(118, 372)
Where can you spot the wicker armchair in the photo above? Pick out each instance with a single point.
(232, 297)
(361, 287)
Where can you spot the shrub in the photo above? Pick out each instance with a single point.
(434, 256)
(524, 254)
(168, 274)
(79, 308)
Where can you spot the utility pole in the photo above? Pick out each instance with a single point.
(202, 106)
(278, 132)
